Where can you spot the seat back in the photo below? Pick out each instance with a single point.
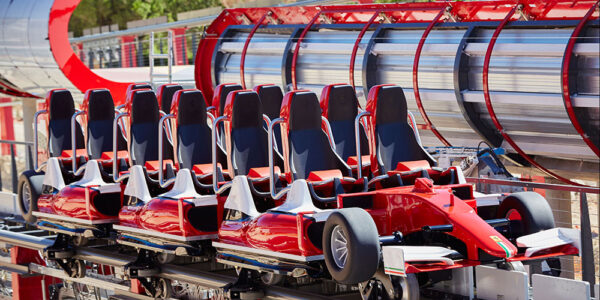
(143, 127)
(305, 145)
(218, 101)
(340, 106)
(100, 110)
(270, 97)
(193, 136)
(165, 96)
(246, 137)
(61, 108)
(391, 136)
(137, 86)
(220, 96)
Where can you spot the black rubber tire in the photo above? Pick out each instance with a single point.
(536, 214)
(363, 246)
(34, 182)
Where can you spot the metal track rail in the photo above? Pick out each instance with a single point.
(205, 279)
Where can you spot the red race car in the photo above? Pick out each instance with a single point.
(410, 219)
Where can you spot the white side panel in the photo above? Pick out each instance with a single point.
(548, 287)
(462, 283)
(493, 283)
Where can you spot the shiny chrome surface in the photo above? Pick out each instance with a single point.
(26, 60)
(525, 77)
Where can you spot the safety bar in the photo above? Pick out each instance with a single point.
(267, 120)
(118, 111)
(115, 158)
(160, 151)
(274, 195)
(118, 107)
(413, 123)
(74, 142)
(210, 116)
(169, 127)
(35, 139)
(357, 141)
(329, 133)
(214, 157)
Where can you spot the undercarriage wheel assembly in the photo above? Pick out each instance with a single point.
(79, 240)
(158, 288)
(28, 192)
(79, 268)
(165, 258)
(269, 278)
(351, 245)
(528, 212)
(385, 287)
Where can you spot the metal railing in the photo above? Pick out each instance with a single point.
(13, 161)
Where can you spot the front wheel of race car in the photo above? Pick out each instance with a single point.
(528, 212)
(351, 245)
(28, 192)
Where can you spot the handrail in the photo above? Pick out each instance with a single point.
(357, 142)
(490, 107)
(415, 77)
(355, 48)
(246, 44)
(537, 185)
(35, 138)
(413, 122)
(566, 64)
(283, 191)
(213, 143)
(160, 152)
(16, 142)
(115, 158)
(74, 140)
(329, 132)
(297, 48)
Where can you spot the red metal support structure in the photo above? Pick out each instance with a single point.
(416, 77)
(356, 43)
(179, 46)
(490, 108)
(297, 48)
(565, 80)
(7, 131)
(245, 49)
(25, 287)
(128, 51)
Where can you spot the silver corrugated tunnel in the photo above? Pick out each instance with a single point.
(526, 73)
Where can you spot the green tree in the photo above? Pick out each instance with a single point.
(94, 13)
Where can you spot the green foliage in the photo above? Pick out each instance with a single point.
(94, 13)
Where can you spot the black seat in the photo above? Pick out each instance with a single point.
(100, 117)
(309, 146)
(270, 98)
(165, 96)
(248, 137)
(340, 107)
(220, 97)
(61, 108)
(394, 138)
(143, 131)
(138, 86)
(193, 133)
